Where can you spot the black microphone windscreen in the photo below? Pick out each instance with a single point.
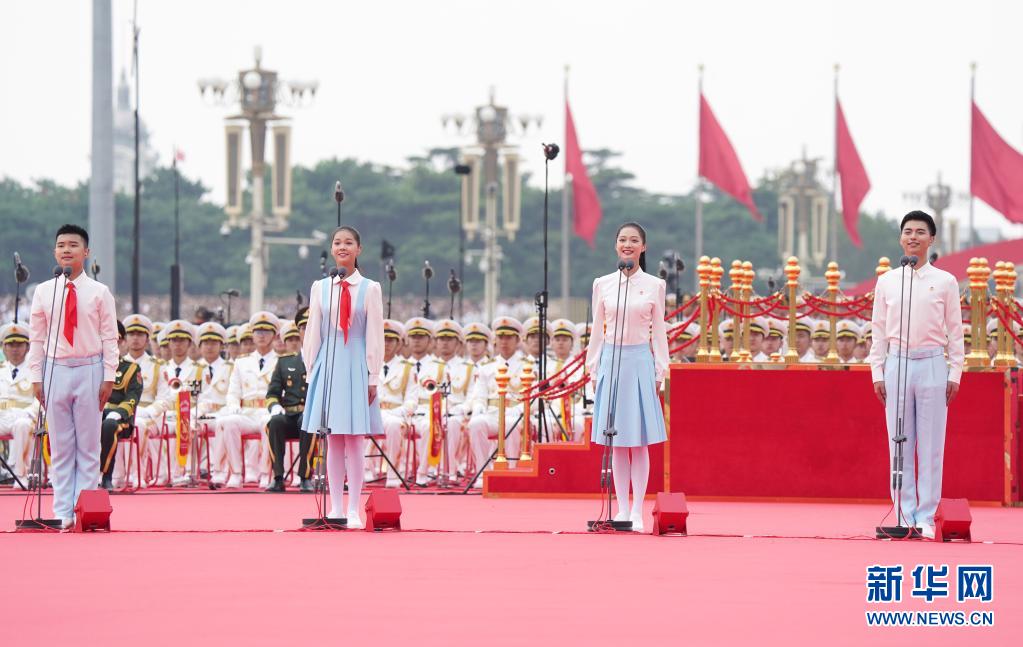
(67, 270)
(904, 260)
(57, 270)
(17, 258)
(342, 272)
(339, 195)
(333, 272)
(913, 260)
(629, 264)
(621, 265)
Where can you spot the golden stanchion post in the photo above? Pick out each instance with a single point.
(525, 456)
(884, 265)
(745, 355)
(738, 278)
(978, 273)
(792, 283)
(703, 271)
(501, 461)
(716, 272)
(832, 276)
(1005, 285)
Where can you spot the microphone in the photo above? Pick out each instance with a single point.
(427, 270)
(629, 264)
(680, 265)
(550, 151)
(913, 260)
(342, 272)
(934, 257)
(392, 274)
(232, 293)
(339, 195)
(66, 271)
(621, 265)
(662, 271)
(57, 271)
(904, 261)
(21, 272)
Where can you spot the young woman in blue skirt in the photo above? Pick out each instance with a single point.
(343, 352)
(643, 362)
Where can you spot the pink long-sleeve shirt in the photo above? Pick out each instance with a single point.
(644, 317)
(935, 317)
(96, 333)
(373, 302)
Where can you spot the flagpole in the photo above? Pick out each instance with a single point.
(565, 231)
(835, 220)
(698, 251)
(973, 101)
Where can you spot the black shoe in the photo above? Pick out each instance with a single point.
(277, 485)
(306, 485)
(107, 484)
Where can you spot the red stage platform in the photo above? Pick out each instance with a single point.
(792, 432)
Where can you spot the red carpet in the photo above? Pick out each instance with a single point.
(221, 568)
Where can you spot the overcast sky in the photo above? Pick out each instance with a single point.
(389, 69)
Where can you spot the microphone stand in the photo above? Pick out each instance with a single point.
(36, 478)
(603, 524)
(550, 152)
(391, 276)
(454, 287)
(323, 522)
(901, 531)
(427, 275)
(20, 276)
(339, 197)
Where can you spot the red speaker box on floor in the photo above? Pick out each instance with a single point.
(670, 513)
(952, 520)
(383, 510)
(92, 512)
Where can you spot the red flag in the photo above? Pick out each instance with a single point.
(719, 163)
(851, 173)
(179, 155)
(996, 170)
(587, 214)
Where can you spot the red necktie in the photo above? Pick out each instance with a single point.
(345, 311)
(71, 316)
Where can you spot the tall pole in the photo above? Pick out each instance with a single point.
(137, 210)
(698, 236)
(565, 231)
(973, 78)
(834, 177)
(101, 182)
(176, 268)
(257, 277)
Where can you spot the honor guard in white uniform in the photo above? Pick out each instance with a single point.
(804, 339)
(232, 343)
(726, 340)
(215, 372)
(757, 334)
(18, 405)
(846, 337)
(478, 339)
(139, 332)
(563, 339)
(821, 339)
(688, 354)
(777, 331)
(245, 411)
(174, 377)
(532, 353)
(430, 371)
(245, 342)
(154, 338)
(397, 395)
(461, 374)
(483, 424)
(584, 407)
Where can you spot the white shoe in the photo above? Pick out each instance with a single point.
(235, 481)
(622, 516)
(354, 521)
(67, 523)
(392, 483)
(335, 514)
(927, 531)
(264, 481)
(637, 522)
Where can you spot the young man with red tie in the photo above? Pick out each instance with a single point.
(74, 376)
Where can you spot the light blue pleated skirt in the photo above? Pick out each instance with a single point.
(347, 392)
(638, 418)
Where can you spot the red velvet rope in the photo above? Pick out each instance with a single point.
(1008, 328)
(754, 302)
(1012, 315)
(681, 327)
(832, 313)
(866, 298)
(682, 307)
(775, 305)
(683, 345)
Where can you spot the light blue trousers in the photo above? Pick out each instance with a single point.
(926, 373)
(73, 422)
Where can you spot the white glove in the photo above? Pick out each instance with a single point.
(113, 415)
(276, 410)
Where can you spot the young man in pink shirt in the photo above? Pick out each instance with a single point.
(931, 328)
(73, 375)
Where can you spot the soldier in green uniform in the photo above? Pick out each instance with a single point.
(285, 397)
(119, 412)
